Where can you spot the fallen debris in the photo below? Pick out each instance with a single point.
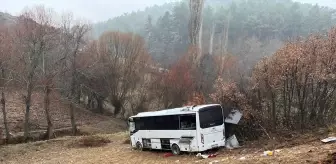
(199, 155)
(329, 139)
(205, 156)
(232, 142)
(268, 153)
(212, 155)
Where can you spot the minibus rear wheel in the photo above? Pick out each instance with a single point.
(175, 149)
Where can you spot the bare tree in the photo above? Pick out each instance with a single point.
(123, 57)
(5, 56)
(33, 40)
(51, 68)
(73, 36)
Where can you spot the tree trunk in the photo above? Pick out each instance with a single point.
(274, 118)
(290, 100)
(259, 100)
(72, 119)
(3, 103)
(88, 105)
(26, 124)
(27, 114)
(50, 128)
(200, 36)
(100, 104)
(322, 102)
(73, 95)
(4, 112)
(227, 33)
(78, 94)
(301, 91)
(284, 102)
(212, 39)
(117, 107)
(72, 108)
(195, 26)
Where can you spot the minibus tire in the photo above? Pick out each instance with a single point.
(175, 149)
(139, 146)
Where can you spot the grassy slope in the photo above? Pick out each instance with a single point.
(60, 115)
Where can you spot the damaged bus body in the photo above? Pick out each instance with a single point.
(186, 129)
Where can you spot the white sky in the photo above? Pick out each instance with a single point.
(99, 10)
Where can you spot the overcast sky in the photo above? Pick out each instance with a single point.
(99, 10)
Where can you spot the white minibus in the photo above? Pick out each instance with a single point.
(186, 129)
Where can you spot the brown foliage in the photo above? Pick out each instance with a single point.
(228, 94)
(196, 99)
(175, 86)
(226, 65)
(298, 82)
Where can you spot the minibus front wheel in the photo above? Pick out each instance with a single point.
(139, 146)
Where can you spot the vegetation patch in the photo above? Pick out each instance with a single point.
(331, 159)
(91, 141)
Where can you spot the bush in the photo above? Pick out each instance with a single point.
(93, 141)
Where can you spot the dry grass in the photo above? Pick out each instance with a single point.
(59, 109)
(90, 141)
(58, 151)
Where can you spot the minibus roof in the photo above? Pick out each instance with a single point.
(174, 111)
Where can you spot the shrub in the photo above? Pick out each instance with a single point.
(93, 141)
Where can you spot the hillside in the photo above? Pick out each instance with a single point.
(59, 114)
(6, 18)
(256, 28)
(131, 22)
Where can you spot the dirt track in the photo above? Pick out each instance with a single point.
(60, 151)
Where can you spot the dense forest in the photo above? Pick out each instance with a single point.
(261, 24)
(273, 60)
